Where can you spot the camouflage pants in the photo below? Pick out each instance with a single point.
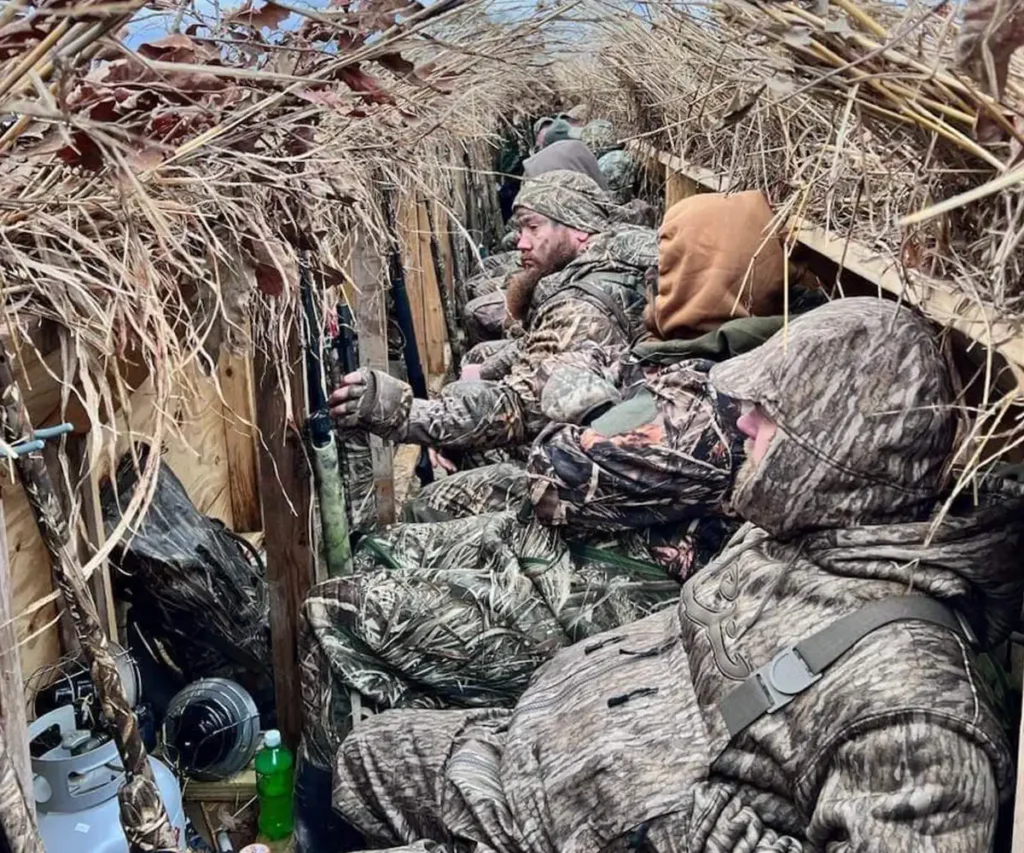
(500, 487)
(447, 765)
(357, 466)
(461, 618)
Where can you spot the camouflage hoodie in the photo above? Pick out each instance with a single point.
(620, 742)
(597, 298)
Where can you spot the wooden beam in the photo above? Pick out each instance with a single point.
(12, 689)
(678, 187)
(284, 487)
(235, 376)
(937, 299)
(368, 273)
(407, 221)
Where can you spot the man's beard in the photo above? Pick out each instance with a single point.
(521, 285)
(519, 293)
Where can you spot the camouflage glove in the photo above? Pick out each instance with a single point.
(374, 401)
(573, 395)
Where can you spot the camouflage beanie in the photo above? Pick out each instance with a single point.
(569, 198)
(599, 137)
(557, 131)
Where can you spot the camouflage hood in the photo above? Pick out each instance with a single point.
(863, 401)
(858, 471)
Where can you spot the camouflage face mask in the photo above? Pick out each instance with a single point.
(568, 198)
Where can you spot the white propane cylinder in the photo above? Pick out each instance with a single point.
(98, 829)
(76, 795)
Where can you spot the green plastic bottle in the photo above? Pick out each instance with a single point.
(275, 773)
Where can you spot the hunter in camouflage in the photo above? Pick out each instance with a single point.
(620, 169)
(431, 622)
(718, 292)
(582, 284)
(621, 742)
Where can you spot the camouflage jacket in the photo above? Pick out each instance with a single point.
(622, 742)
(598, 298)
(663, 449)
(664, 455)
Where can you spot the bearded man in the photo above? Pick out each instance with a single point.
(582, 283)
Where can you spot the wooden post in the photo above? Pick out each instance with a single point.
(678, 187)
(433, 311)
(12, 689)
(234, 372)
(407, 227)
(284, 489)
(369, 276)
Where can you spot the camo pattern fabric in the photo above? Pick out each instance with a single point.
(17, 824)
(484, 317)
(500, 360)
(460, 615)
(599, 136)
(619, 743)
(597, 299)
(668, 452)
(501, 487)
(483, 351)
(570, 198)
(620, 170)
(357, 467)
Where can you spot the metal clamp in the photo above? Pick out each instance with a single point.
(34, 444)
(785, 677)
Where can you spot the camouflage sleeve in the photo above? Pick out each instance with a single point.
(484, 415)
(569, 326)
(468, 416)
(661, 456)
(906, 787)
(500, 363)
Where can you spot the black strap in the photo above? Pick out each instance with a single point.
(793, 669)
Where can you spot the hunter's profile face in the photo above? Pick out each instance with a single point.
(758, 429)
(546, 246)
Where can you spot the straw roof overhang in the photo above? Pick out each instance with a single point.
(154, 197)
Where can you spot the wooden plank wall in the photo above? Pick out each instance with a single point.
(421, 283)
(212, 449)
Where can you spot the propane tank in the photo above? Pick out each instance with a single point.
(76, 776)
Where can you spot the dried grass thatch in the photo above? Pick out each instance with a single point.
(153, 200)
(854, 117)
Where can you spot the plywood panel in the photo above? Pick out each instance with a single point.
(235, 375)
(433, 313)
(195, 445)
(12, 694)
(412, 263)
